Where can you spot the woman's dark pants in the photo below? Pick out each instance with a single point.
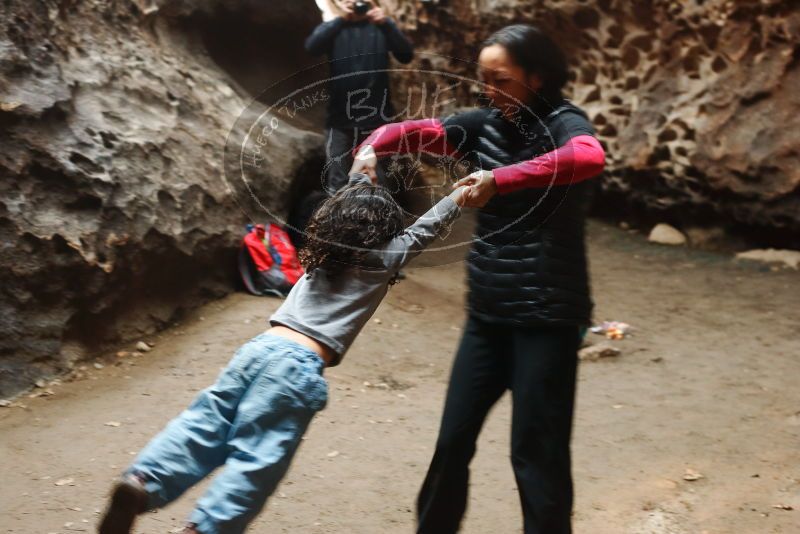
(538, 365)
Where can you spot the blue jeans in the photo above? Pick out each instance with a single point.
(251, 420)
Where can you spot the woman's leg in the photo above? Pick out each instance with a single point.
(479, 377)
(543, 391)
(271, 419)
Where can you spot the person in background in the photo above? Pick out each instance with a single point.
(357, 40)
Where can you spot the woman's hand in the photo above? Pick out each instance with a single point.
(482, 188)
(366, 162)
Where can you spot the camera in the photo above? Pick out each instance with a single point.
(361, 8)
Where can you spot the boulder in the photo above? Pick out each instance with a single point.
(117, 207)
(789, 258)
(665, 234)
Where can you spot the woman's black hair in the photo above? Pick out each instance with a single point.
(348, 225)
(536, 53)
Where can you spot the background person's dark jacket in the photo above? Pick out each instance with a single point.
(359, 56)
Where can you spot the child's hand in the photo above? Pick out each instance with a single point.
(366, 162)
(461, 195)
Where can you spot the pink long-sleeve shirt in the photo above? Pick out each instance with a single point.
(580, 158)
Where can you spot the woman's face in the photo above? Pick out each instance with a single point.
(506, 83)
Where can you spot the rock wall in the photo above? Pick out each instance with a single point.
(696, 101)
(115, 213)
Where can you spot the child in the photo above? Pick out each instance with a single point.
(251, 420)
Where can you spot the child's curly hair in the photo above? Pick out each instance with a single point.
(348, 225)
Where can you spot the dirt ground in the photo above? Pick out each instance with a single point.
(708, 382)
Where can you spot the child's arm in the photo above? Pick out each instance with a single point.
(435, 222)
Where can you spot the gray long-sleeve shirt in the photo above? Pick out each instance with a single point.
(333, 311)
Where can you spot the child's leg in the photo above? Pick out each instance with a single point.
(195, 443)
(272, 417)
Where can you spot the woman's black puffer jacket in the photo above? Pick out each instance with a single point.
(527, 265)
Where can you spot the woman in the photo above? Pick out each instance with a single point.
(527, 274)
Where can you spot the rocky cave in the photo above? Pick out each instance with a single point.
(115, 212)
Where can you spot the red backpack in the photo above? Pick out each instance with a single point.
(268, 261)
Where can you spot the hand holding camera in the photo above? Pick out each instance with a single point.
(376, 15)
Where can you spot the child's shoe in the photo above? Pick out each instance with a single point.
(128, 499)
